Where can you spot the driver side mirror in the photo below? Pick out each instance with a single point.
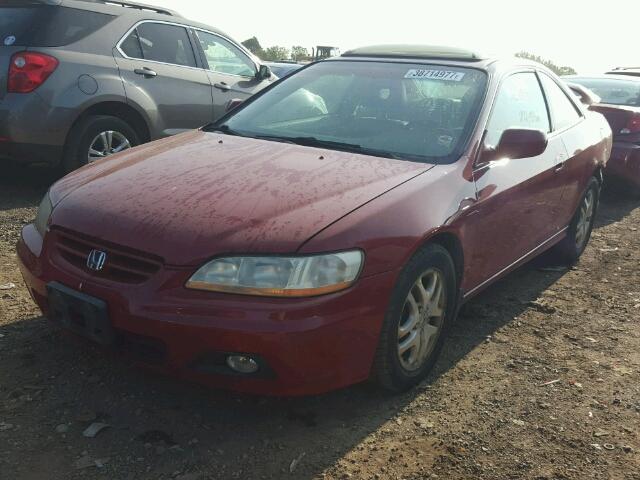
(263, 72)
(521, 143)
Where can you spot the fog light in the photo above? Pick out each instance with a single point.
(242, 364)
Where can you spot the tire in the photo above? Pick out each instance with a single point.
(569, 250)
(393, 370)
(86, 134)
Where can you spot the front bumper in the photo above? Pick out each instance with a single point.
(624, 163)
(307, 346)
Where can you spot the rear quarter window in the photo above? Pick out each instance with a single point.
(48, 26)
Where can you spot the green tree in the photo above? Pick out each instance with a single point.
(299, 53)
(547, 63)
(275, 53)
(253, 45)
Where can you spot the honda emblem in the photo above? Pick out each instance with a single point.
(96, 259)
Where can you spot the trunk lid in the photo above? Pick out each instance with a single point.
(30, 24)
(618, 116)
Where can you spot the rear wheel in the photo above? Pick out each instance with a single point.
(97, 137)
(573, 245)
(421, 309)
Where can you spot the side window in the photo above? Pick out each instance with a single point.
(131, 45)
(161, 43)
(519, 104)
(224, 57)
(563, 112)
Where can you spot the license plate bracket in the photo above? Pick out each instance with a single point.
(82, 314)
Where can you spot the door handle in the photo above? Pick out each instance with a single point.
(222, 86)
(560, 160)
(145, 72)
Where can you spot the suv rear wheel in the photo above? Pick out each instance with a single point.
(97, 137)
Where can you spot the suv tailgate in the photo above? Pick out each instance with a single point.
(30, 24)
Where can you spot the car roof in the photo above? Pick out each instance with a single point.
(137, 11)
(284, 64)
(114, 7)
(415, 51)
(602, 76)
(625, 69)
(436, 55)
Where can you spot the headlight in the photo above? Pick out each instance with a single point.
(280, 276)
(44, 212)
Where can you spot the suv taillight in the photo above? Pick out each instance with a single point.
(29, 70)
(633, 125)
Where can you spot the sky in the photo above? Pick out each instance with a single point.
(568, 32)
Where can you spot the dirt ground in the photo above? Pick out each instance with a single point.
(539, 380)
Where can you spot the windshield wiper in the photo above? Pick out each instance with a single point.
(318, 143)
(222, 129)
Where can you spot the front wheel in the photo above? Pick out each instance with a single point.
(573, 245)
(422, 307)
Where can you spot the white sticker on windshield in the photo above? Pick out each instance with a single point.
(435, 74)
(10, 40)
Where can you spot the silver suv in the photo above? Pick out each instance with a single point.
(82, 79)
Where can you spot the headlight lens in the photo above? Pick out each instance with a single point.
(44, 212)
(280, 276)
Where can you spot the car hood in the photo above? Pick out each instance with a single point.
(196, 195)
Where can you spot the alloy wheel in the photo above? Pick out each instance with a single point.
(107, 143)
(422, 319)
(585, 216)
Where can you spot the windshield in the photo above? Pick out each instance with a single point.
(410, 111)
(614, 91)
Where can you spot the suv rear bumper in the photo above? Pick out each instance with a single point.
(31, 130)
(30, 153)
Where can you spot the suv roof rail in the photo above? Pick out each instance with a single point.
(139, 6)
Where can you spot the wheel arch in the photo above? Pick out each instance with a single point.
(121, 110)
(452, 244)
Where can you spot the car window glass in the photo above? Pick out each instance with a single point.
(224, 57)
(131, 46)
(49, 26)
(410, 111)
(613, 91)
(166, 43)
(519, 104)
(563, 112)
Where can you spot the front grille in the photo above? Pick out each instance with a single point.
(122, 265)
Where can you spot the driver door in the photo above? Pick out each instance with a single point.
(517, 199)
(232, 73)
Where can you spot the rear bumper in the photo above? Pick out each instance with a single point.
(32, 131)
(308, 346)
(624, 163)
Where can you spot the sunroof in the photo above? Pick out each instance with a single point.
(415, 51)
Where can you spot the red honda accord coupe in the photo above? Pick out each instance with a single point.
(326, 231)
